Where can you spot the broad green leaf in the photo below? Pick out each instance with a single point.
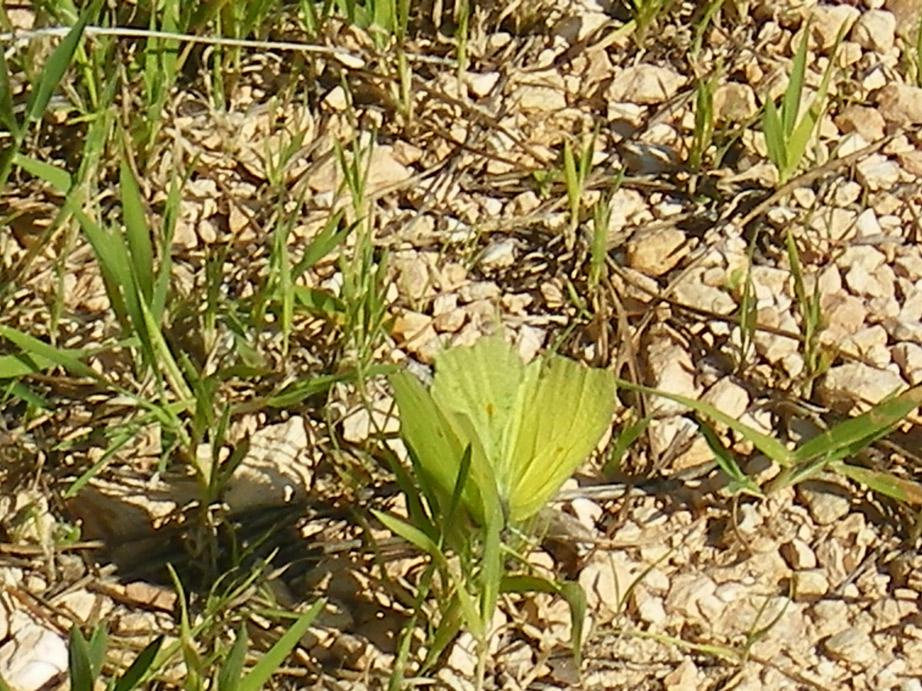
(562, 410)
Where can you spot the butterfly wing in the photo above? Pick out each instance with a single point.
(562, 410)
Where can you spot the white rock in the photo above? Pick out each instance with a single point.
(901, 104)
(824, 501)
(686, 591)
(798, 555)
(810, 584)
(827, 20)
(645, 84)
(385, 170)
(481, 83)
(671, 369)
(909, 358)
(32, 657)
(864, 120)
(728, 397)
(877, 172)
(499, 254)
(875, 30)
(845, 385)
(867, 225)
(852, 646)
(691, 290)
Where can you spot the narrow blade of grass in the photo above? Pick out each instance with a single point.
(901, 489)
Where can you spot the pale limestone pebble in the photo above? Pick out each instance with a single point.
(911, 302)
(849, 53)
(384, 170)
(728, 397)
(865, 256)
(852, 646)
(826, 21)
(910, 331)
(691, 290)
(798, 554)
(450, 322)
(887, 611)
(770, 284)
(516, 303)
(826, 502)
(650, 608)
(681, 431)
(523, 204)
(877, 172)
(645, 84)
(734, 102)
(483, 314)
(33, 656)
(540, 92)
(479, 290)
(686, 592)
(829, 616)
(842, 193)
(870, 345)
(843, 314)
(909, 358)
(864, 120)
(656, 253)
(628, 207)
(685, 677)
(875, 30)
(911, 162)
(882, 309)
(606, 579)
(771, 346)
(867, 225)
(835, 223)
(670, 369)
(909, 264)
(877, 283)
(499, 254)
(849, 144)
(529, 341)
(625, 118)
(901, 104)
(809, 585)
(481, 84)
(875, 78)
(855, 384)
(642, 158)
(413, 279)
(805, 197)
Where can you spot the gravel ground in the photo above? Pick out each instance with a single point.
(689, 587)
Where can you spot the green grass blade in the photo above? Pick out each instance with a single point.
(858, 433)
(790, 104)
(57, 177)
(901, 489)
(770, 446)
(7, 113)
(140, 667)
(232, 669)
(774, 136)
(79, 666)
(43, 352)
(136, 231)
(54, 71)
(739, 481)
(273, 659)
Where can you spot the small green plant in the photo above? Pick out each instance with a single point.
(816, 358)
(576, 172)
(828, 450)
(491, 443)
(787, 132)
